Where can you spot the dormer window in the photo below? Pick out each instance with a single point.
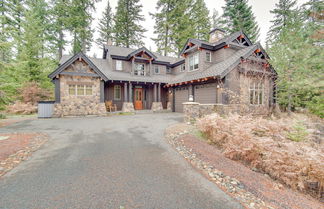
(208, 57)
(139, 69)
(119, 65)
(194, 62)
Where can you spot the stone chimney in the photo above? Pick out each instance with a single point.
(215, 35)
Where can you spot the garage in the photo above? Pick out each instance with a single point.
(181, 96)
(206, 93)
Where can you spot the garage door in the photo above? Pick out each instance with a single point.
(181, 96)
(205, 94)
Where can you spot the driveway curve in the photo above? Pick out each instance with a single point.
(107, 162)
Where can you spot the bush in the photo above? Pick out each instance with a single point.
(31, 92)
(269, 145)
(2, 116)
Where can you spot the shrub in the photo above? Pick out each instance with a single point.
(31, 92)
(2, 116)
(298, 133)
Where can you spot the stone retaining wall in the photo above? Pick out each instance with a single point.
(194, 110)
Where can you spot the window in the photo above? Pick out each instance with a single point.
(256, 93)
(182, 68)
(80, 90)
(156, 69)
(88, 89)
(139, 69)
(117, 92)
(208, 57)
(193, 62)
(119, 65)
(72, 90)
(168, 70)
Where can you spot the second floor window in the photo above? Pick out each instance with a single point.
(182, 68)
(119, 65)
(193, 62)
(208, 57)
(156, 69)
(139, 69)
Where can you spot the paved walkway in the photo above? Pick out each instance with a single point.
(107, 162)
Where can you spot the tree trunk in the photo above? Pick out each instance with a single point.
(61, 41)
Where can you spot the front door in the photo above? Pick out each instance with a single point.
(138, 98)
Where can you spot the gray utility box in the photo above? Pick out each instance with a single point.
(45, 109)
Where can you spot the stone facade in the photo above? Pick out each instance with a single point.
(128, 107)
(73, 105)
(157, 106)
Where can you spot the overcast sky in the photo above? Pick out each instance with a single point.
(261, 10)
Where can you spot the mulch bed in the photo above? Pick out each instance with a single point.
(272, 193)
(18, 147)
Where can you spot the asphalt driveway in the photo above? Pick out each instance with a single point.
(107, 162)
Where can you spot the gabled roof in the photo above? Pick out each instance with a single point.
(143, 49)
(122, 52)
(217, 45)
(219, 69)
(71, 60)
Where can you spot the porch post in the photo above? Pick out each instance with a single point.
(133, 66)
(154, 93)
(130, 92)
(125, 92)
(151, 73)
(159, 92)
(57, 90)
(102, 91)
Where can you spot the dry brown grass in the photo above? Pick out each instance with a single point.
(284, 148)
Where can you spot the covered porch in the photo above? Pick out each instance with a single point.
(129, 95)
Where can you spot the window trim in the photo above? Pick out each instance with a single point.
(208, 60)
(156, 67)
(117, 65)
(192, 60)
(83, 87)
(136, 70)
(117, 87)
(256, 88)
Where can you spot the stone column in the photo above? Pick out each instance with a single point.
(159, 92)
(125, 92)
(130, 92)
(154, 93)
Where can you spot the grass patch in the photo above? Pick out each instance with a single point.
(200, 135)
(125, 113)
(299, 133)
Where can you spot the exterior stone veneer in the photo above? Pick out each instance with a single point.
(157, 106)
(195, 110)
(72, 105)
(128, 107)
(169, 106)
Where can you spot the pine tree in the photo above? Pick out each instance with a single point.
(216, 20)
(127, 25)
(80, 24)
(105, 28)
(5, 45)
(200, 19)
(162, 27)
(238, 16)
(60, 12)
(181, 24)
(281, 13)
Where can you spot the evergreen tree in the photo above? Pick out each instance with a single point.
(282, 12)
(60, 12)
(162, 27)
(238, 16)
(105, 28)
(181, 24)
(216, 20)
(127, 28)
(5, 45)
(80, 24)
(200, 19)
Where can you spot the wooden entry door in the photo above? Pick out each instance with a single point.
(138, 99)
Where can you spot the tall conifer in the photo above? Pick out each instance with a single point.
(128, 27)
(105, 28)
(238, 16)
